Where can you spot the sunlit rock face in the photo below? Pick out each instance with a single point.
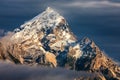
(46, 34)
(47, 40)
(95, 60)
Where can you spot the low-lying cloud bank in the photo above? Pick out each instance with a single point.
(10, 71)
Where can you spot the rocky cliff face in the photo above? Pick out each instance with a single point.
(95, 60)
(46, 34)
(46, 40)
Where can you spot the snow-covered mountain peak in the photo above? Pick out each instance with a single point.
(49, 9)
(46, 21)
(48, 32)
(85, 40)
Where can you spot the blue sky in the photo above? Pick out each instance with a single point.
(97, 19)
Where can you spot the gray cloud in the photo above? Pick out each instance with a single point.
(2, 31)
(22, 72)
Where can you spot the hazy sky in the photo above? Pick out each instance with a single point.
(97, 19)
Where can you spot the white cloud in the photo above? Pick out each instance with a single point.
(92, 4)
(85, 6)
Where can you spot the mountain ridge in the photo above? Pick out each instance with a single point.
(47, 40)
